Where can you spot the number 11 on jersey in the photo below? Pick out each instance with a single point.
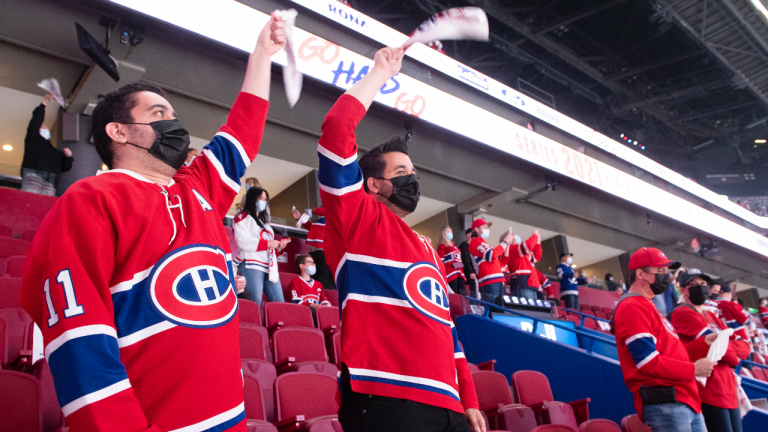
(73, 309)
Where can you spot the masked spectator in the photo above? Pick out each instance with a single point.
(451, 256)
(249, 183)
(43, 163)
(470, 268)
(490, 278)
(582, 278)
(714, 293)
(521, 257)
(192, 153)
(315, 241)
(610, 285)
(569, 288)
(763, 312)
(731, 313)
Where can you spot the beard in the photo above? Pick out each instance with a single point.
(145, 136)
(386, 189)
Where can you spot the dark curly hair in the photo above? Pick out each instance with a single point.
(372, 164)
(116, 107)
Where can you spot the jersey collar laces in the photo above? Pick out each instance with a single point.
(170, 206)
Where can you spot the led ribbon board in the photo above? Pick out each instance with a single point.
(235, 24)
(379, 32)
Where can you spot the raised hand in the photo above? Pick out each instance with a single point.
(272, 36)
(47, 98)
(389, 60)
(67, 152)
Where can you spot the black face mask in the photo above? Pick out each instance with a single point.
(660, 284)
(698, 294)
(171, 144)
(713, 296)
(405, 192)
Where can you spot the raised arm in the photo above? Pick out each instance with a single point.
(387, 63)
(257, 75)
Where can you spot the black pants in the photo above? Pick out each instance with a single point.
(458, 286)
(571, 301)
(323, 275)
(721, 419)
(370, 413)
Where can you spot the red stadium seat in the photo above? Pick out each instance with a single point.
(456, 305)
(301, 397)
(285, 281)
(493, 394)
(590, 324)
(53, 419)
(586, 311)
(328, 320)
(608, 311)
(10, 290)
(601, 314)
(16, 328)
(574, 319)
(249, 312)
(254, 342)
(259, 426)
(297, 348)
(279, 315)
(558, 413)
(599, 425)
(532, 389)
(553, 428)
(21, 402)
(258, 389)
(6, 231)
(335, 353)
(759, 373)
(332, 296)
(632, 423)
(14, 265)
(561, 311)
(29, 235)
(516, 418)
(12, 246)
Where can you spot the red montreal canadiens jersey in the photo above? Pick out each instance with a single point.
(763, 311)
(453, 265)
(398, 339)
(316, 229)
(521, 259)
(720, 390)
(734, 316)
(303, 292)
(651, 353)
(131, 285)
(488, 263)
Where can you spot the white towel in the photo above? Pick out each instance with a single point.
(292, 78)
(51, 85)
(717, 350)
(457, 23)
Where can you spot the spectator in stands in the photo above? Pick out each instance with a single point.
(714, 293)
(545, 289)
(451, 256)
(191, 154)
(582, 279)
(719, 398)
(240, 288)
(671, 299)
(315, 241)
(569, 288)
(733, 314)
(470, 270)
(654, 362)
(257, 246)
(521, 257)
(490, 279)
(249, 183)
(382, 262)
(763, 312)
(179, 367)
(304, 289)
(43, 163)
(610, 285)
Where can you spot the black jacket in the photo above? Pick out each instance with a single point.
(39, 153)
(466, 259)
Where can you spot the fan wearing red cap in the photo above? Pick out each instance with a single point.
(490, 279)
(654, 361)
(719, 398)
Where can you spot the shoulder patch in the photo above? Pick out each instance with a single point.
(203, 202)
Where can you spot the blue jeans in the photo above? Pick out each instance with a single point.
(255, 283)
(491, 291)
(676, 417)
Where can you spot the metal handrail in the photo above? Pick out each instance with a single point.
(592, 338)
(583, 316)
(743, 362)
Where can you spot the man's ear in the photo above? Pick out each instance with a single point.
(373, 186)
(116, 132)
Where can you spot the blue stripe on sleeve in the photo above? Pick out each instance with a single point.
(456, 346)
(229, 157)
(337, 176)
(641, 348)
(84, 365)
(488, 255)
(133, 311)
(380, 280)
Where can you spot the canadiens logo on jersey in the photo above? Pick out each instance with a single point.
(190, 286)
(425, 289)
(456, 255)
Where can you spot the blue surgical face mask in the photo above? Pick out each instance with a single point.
(311, 270)
(261, 205)
(247, 186)
(45, 133)
(449, 236)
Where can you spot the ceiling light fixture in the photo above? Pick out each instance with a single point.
(760, 141)
(7, 147)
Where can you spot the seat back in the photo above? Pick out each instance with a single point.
(560, 414)
(249, 312)
(10, 290)
(327, 316)
(336, 351)
(531, 387)
(28, 235)
(332, 296)
(14, 265)
(308, 394)
(16, 327)
(254, 342)
(53, 419)
(492, 389)
(231, 237)
(456, 305)
(285, 281)
(632, 423)
(574, 319)
(12, 246)
(289, 314)
(304, 344)
(258, 387)
(473, 368)
(599, 425)
(6, 231)
(21, 402)
(517, 418)
(553, 428)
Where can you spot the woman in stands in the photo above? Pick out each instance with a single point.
(255, 243)
(451, 256)
(719, 400)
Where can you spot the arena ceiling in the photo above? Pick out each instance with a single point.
(686, 78)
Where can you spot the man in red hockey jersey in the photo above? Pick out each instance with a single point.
(654, 361)
(733, 314)
(490, 278)
(130, 275)
(402, 366)
(763, 311)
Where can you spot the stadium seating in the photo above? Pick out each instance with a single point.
(260, 426)
(28, 235)
(332, 296)
(21, 401)
(496, 403)
(53, 419)
(12, 247)
(303, 397)
(249, 312)
(328, 320)
(14, 265)
(16, 327)
(599, 425)
(554, 428)
(456, 305)
(10, 290)
(632, 423)
(254, 342)
(532, 389)
(258, 388)
(6, 231)
(558, 413)
(279, 315)
(335, 353)
(231, 237)
(299, 349)
(285, 282)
